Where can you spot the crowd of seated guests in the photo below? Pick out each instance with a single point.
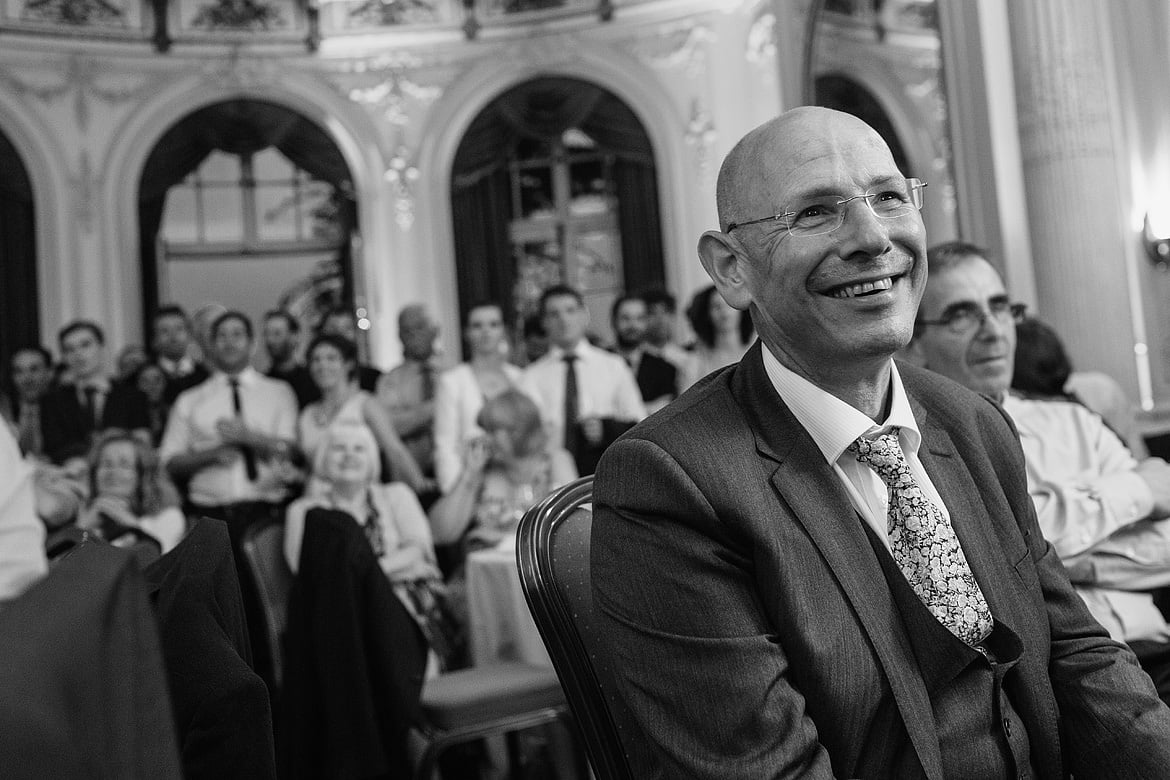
(418, 456)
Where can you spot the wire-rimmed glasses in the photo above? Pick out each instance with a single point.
(962, 318)
(820, 214)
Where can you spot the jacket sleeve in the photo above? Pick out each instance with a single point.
(695, 658)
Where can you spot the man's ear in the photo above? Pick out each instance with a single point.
(726, 263)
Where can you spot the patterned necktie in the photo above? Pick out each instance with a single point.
(571, 410)
(924, 544)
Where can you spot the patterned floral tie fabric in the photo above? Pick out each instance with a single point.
(924, 544)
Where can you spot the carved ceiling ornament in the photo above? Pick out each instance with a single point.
(701, 135)
(75, 13)
(401, 174)
(240, 72)
(393, 94)
(761, 40)
(676, 45)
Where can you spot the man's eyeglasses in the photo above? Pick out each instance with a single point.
(965, 317)
(821, 214)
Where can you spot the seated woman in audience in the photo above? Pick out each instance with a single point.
(333, 368)
(1043, 369)
(130, 495)
(346, 467)
(462, 390)
(723, 336)
(505, 472)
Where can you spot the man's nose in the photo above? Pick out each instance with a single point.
(863, 231)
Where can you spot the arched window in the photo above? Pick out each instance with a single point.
(555, 181)
(247, 204)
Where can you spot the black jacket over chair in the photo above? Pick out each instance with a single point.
(354, 661)
(221, 707)
(83, 692)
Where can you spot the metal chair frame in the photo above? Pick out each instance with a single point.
(556, 620)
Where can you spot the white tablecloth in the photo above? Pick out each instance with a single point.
(502, 628)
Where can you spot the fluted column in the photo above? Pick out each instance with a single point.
(1083, 247)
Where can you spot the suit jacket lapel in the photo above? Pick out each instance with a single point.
(815, 497)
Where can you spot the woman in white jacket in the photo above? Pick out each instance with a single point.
(462, 390)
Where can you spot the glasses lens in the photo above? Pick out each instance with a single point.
(815, 217)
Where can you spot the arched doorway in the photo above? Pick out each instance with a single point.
(555, 181)
(19, 303)
(248, 204)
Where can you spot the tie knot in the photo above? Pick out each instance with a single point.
(884, 455)
(570, 358)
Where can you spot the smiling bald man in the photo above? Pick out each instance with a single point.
(820, 563)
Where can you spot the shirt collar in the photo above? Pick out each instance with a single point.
(834, 424)
(183, 366)
(580, 350)
(246, 377)
(100, 383)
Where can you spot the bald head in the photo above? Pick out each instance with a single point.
(776, 150)
(417, 332)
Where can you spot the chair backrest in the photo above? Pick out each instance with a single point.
(553, 556)
(263, 547)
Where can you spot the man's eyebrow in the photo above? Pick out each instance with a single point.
(955, 306)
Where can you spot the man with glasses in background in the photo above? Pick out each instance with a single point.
(1101, 508)
(821, 563)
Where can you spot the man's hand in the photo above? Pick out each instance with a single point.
(233, 431)
(592, 430)
(1156, 473)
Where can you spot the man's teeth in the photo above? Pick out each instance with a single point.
(853, 290)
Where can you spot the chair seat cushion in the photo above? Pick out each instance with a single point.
(471, 696)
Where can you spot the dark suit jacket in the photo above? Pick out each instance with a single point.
(66, 428)
(354, 661)
(751, 627)
(223, 717)
(178, 384)
(656, 377)
(82, 687)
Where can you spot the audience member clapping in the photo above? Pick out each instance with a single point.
(333, 367)
(130, 496)
(505, 472)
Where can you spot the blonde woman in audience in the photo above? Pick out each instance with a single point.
(723, 336)
(128, 492)
(346, 467)
(462, 390)
(506, 471)
(333, 367)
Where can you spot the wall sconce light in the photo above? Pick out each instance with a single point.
(1157, 243)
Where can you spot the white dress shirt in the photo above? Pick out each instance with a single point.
(834, 425)
(605, 387)
(22, 534)
(458, 401)
(269, 407)
(1090, 503)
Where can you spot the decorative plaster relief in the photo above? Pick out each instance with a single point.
(383, 13)
(236, 72)
(545, 51)
(402, 174)
(761, 40)
(676, 45)
(78, 13)
(394, 92)
(250, 15)
(82, 77)
(701, 135)
(83, 186)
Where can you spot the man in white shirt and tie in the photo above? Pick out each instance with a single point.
(588, 396)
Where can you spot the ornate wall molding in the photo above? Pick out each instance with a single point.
(701, 136)
(396, 88)
(676, 45)
(83, 77)
(401, 173)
